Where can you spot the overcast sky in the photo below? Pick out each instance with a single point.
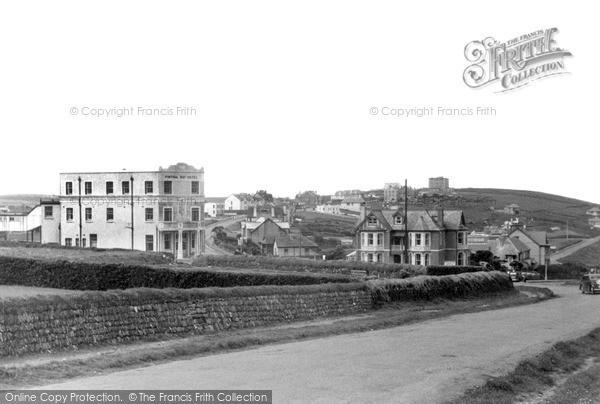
(283, 93)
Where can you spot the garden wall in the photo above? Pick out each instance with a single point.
(59, 322)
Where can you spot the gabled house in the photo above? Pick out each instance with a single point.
(264, 232)
(238, 202)
(435, 237)
(308, 199)
(294, 246)
(510, 249)
(536, 241)
(214, 206)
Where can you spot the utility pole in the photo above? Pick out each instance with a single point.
(80, 222)
(132, 238)
(406, 221)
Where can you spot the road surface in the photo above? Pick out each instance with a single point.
(427, 362)
(571, 249)
(209, 247)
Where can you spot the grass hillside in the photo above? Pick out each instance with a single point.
(538, 209)
(23, 199)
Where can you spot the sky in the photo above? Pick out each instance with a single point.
(281, 95)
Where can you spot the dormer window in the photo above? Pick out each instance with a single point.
(372, 222)
(398, 220)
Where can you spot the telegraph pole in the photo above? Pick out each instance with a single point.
(406, 221)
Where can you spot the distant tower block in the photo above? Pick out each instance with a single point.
(440, 183)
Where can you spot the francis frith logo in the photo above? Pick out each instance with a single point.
(514, 63)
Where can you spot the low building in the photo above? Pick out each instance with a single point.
(435, 237)
(309, 199)
(352, 203)
(331, 208)
(294, 246)
(214, 206)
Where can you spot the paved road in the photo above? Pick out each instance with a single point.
(420, 363)
(571, 249)
(210, 248)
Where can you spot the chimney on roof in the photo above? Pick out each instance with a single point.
(438, 214)
(363, 211)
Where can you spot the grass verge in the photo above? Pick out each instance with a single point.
(566, 373)
(110, 359)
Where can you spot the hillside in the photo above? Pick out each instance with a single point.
(23, 199)
(539, 210)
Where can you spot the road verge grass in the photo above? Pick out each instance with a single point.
(30, 371)
(566, 373)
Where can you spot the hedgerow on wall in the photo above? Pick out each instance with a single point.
(466, 285)
(89, 276)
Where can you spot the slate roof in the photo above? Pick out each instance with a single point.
(215, 199)
(353, 199)
(291, 241)
(538, 237)
(419, 220)
(510, 246)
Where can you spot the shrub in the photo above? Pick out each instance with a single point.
(441, 270)
(564, 271)
(466, 285)
(89, 276)
(306, 265)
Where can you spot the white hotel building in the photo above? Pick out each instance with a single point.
(145, 210)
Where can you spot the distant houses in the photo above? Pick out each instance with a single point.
(595, 211)
(238, 202)
(536, 242)
(594, 222)
(435, 237)
(352, 203)
(512, 209)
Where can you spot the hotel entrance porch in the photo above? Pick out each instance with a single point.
(181, 240)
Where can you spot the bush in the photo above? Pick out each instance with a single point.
(89, 276)
(466, 285)
(441, 270)
(564, 271)
(307, 265)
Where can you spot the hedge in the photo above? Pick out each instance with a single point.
(564, 271)
(440, 270)
(89, 276)
(306, 265)
(466, 285)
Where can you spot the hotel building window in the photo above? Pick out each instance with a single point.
(110, 215)
(149, 187)
(167, 188)
(168, 214)
(69, 188)
(69, 214)
(149, 214)
(88, 214)
(93, 240)
(88, 187)
(48, 211)
(125, 187)
(149, 242)
(167, 241)
(195, 214)
(195, 187)
(68, 242)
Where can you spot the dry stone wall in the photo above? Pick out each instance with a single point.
(54, 323)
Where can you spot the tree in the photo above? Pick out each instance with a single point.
(265, 195)
(481, 255)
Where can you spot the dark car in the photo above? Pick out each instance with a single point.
(524, 276)
(590, 283)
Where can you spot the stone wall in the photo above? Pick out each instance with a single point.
(53, 323)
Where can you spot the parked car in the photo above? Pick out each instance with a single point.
(515, 276)
(590, 283)
(523, 276)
